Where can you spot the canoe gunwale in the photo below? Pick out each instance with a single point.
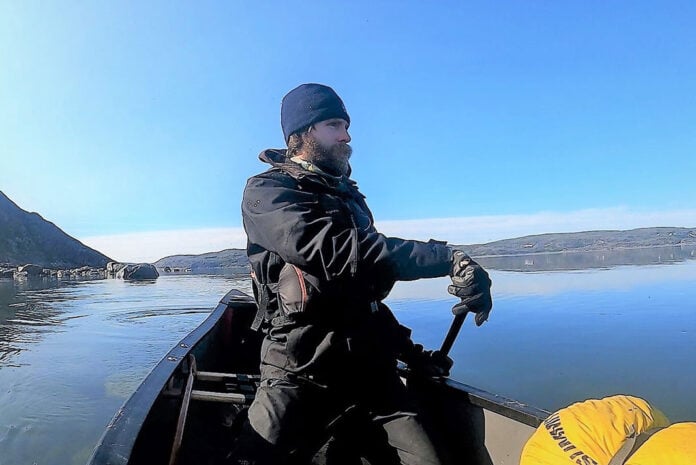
(118, 441)
(515, 410)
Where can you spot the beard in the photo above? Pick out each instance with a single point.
(332, 159)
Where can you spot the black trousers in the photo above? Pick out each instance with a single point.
(287, 424)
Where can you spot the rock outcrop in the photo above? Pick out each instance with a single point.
(137, 272)
(31, 271)
(114, 267)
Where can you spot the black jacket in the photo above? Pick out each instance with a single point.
(322, 225)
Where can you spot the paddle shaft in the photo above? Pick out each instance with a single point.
(452, 333)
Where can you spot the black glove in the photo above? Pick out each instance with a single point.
(471, 284)
(428, 362)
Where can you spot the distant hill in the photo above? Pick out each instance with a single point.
(28, 238)
(586, 241)
(229, 261)
(235, 260)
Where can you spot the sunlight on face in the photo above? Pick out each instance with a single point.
(331, 132)
(327, 146)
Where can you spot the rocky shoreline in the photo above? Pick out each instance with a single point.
(127, 271)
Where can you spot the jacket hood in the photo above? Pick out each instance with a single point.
(274, 156)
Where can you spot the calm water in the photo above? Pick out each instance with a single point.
(71, 353)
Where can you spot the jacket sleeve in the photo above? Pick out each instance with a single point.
(283, 218)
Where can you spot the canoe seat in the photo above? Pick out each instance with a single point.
(233, 388)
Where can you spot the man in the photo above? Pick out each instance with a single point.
(320, 271)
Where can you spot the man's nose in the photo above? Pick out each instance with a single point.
(344, 137)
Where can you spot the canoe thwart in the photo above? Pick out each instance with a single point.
(217, 376)
(215, 396)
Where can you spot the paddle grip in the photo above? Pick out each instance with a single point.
(452, 333)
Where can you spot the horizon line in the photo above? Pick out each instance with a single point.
(150, 246)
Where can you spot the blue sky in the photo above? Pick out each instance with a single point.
(134, 125)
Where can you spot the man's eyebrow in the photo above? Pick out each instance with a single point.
(337, 120)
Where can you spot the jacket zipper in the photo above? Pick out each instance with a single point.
(354, 238)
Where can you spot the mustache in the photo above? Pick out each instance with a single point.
(343, 149)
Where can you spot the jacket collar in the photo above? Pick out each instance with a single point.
(278, 158)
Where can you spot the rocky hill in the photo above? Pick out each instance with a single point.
(235, 261)
(28, 238)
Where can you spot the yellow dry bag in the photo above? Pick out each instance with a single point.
(675, 445)
(591, 432)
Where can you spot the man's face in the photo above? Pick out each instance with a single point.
(328, 145)
(331, 132)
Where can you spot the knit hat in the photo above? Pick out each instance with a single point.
(308, 104)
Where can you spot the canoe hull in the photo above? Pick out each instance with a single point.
(476, 425)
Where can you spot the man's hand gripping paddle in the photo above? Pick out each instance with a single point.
(472, 285)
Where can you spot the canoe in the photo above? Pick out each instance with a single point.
(190, 406)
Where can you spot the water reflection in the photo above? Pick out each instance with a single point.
(28, 310)
(559, 261)
(72, 352)
(559, 280)
(553, 338)
(140, 282)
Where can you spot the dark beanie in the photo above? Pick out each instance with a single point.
(309, 104)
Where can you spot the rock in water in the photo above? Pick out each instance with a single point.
(31, 270)
(114, 267)
(138, 271)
